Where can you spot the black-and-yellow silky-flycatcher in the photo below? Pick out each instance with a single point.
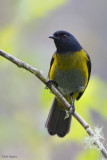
(70, 68)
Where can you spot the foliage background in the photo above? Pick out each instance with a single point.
(24, 103)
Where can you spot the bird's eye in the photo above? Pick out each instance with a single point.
(64, 35)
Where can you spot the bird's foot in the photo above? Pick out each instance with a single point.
(50, 82)
(70, 111)
(72, 107)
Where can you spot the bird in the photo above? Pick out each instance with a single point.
(70, 70)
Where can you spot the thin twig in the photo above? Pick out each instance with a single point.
(38, 74)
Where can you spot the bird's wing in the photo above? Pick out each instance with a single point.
(89, 73)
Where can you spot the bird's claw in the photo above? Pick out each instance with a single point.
(50, 82)
(70, 111)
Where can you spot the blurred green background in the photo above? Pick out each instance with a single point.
(24, 103)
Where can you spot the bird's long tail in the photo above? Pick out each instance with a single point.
(56, 122)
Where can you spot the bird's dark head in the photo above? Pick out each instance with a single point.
(65, 42)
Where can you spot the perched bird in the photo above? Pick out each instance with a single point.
(70, 69)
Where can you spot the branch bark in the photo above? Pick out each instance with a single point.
(38, 74)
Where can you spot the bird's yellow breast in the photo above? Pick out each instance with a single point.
(64, 62)
(70, 60)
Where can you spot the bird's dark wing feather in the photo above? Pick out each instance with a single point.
(89, 73)
(89, 66)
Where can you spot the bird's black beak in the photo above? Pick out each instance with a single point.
(53, 37)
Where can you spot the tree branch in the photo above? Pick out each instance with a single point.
(38, 74)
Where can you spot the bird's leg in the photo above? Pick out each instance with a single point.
(72, 107)
(50, 82)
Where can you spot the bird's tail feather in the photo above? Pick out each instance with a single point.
(56, 122)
